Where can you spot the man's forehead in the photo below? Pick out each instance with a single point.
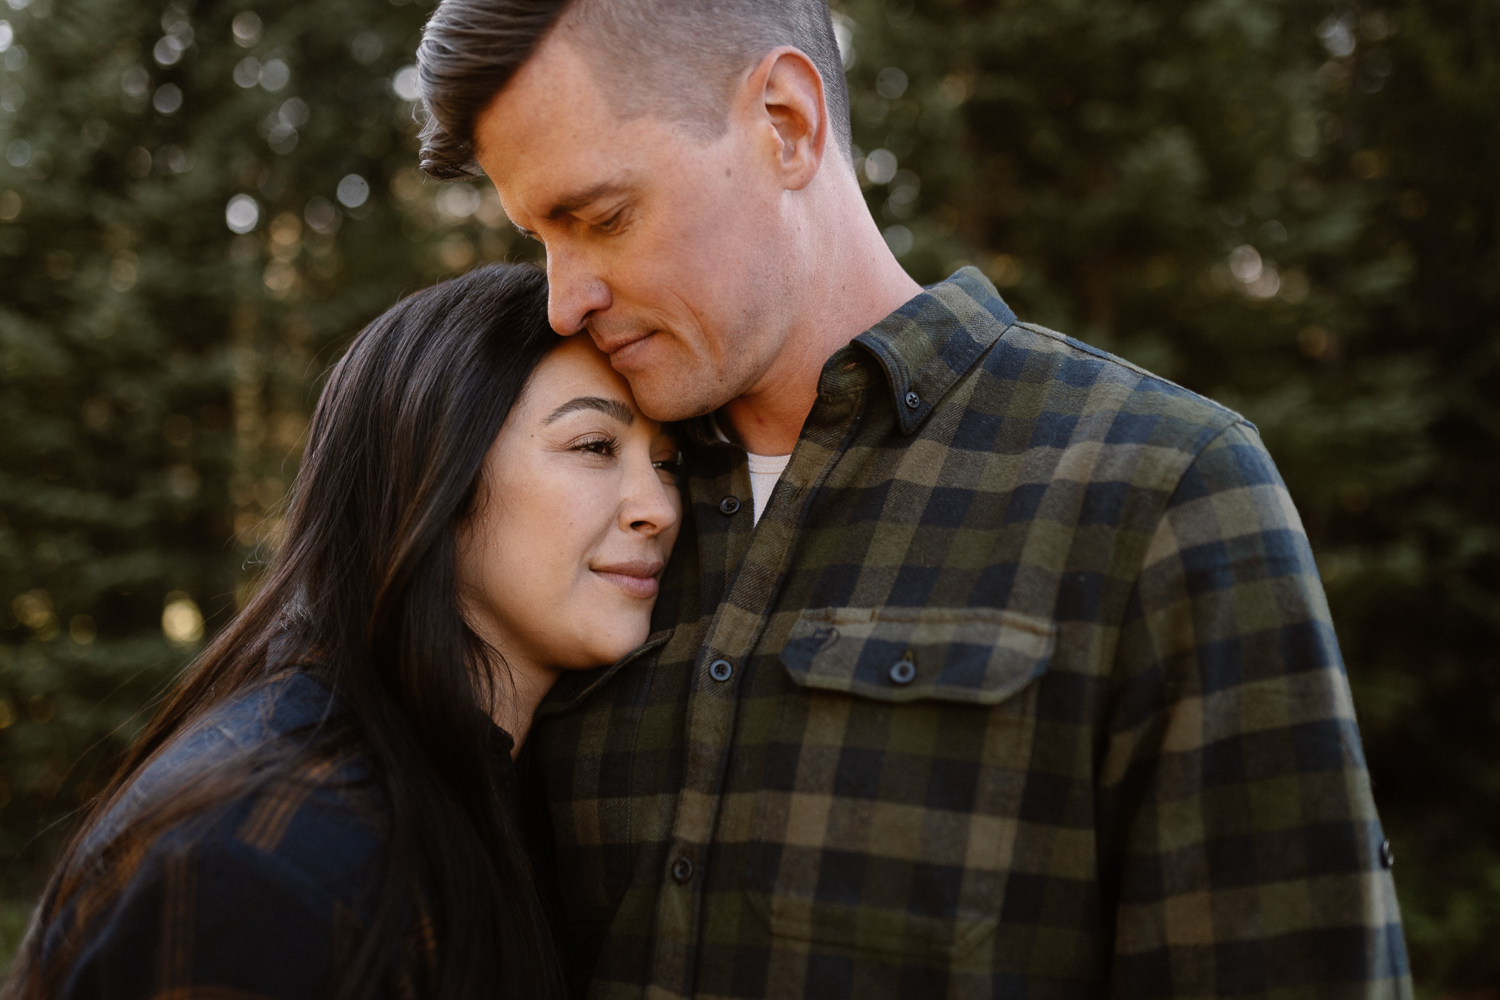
(550, 140)
(553, 99)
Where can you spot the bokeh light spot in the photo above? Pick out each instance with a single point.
(880, 166)
(405, 83)
(181, 620)
(899, 239)
(246, 27)
(247, 72)
(274, 74)
(353, 191)
(168, 99)
(242, 213)
(891, 83)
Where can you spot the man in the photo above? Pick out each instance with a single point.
(1017, 680)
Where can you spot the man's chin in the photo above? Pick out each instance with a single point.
(666, 383)
(667, 399)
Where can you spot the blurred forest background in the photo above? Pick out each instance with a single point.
(1288, 205)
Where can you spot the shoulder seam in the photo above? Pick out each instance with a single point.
(1076, 344)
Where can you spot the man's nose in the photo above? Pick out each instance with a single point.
(574, 291)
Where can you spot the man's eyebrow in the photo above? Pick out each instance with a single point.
(581, 199)
(608, 407)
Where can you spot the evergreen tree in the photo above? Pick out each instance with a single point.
(1286, 205)
(1400, 458)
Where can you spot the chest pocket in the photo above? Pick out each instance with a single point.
(887, 815)
(977, 656)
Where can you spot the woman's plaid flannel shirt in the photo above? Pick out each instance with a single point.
(255, 899)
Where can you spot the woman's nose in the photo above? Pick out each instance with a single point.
(574, 291)
(650, 505)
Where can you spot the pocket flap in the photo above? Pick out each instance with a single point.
(976, 655)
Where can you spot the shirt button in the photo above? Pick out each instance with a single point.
(903, 672)
(1387, 856)
(682, 869)
(729, 505)
(913, 400)
(721, 670)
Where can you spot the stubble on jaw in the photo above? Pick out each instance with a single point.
(693, 372)
(678, 394)
(693, 384)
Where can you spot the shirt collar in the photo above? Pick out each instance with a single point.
(924, 347)
(933, 340)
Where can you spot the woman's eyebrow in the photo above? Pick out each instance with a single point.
(608, 407)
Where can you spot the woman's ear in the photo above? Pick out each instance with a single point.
(786, 92)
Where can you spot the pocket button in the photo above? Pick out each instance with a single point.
(903, 672)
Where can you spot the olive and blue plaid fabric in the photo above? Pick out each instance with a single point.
(1023, 686)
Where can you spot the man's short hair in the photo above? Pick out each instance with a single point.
(680, 60)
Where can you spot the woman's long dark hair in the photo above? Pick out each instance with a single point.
(365, 578)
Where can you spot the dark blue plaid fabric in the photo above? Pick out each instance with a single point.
(253, 899)
(1028, 689)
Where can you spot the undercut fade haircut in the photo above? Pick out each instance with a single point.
(679, 60)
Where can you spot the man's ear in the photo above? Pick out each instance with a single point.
(785, 93)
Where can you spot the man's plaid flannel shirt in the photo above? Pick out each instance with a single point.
(1023, 686)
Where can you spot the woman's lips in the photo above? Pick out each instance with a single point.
(636, 577)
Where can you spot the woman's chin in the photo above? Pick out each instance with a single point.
(612, 641)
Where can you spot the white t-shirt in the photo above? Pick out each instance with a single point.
(764, 471)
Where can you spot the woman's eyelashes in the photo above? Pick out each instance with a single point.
(603, 445)
(668, 468)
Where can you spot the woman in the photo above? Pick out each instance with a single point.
(326, 805)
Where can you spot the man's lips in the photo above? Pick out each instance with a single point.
(620, 349)
(637, 577)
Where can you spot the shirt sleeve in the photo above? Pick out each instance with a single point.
(211, 920)
(1241, 854)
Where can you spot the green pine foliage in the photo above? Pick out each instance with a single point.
(1286, 205)
(1408, 514)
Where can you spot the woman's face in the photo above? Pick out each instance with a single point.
(558, 565)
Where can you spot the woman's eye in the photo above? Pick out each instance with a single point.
(598, 446)
(612, 223)
(669, 471)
